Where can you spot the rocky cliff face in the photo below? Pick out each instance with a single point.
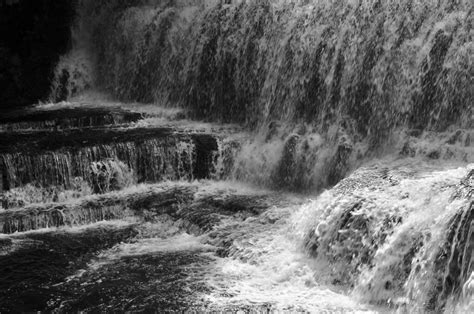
(33, 34)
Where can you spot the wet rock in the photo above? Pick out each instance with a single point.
(167, 201)
(415, 132)
(434, 154)
(286, 172)
(340, 162)
(455, 137)
(109, 175)
(205, 147)
(60, 119)
(408, 150)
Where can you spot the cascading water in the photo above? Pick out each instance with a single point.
(347, 79)
(402, 238)
(347, 187)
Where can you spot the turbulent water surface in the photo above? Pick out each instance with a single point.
(301, 156)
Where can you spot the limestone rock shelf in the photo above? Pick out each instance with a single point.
(54, 147)
(65, 118)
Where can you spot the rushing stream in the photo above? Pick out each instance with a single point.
(301, 156)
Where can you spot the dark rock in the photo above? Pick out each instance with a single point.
(455, 137)
(286, 171)
(408, 150)
(204, 147)
(61, 119)
(415, 132)
(33, 35)
(434, 154)
(339, 163)
(110, 175)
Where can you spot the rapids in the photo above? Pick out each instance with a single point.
(247, 156)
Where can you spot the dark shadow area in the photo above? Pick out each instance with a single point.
(33, 35)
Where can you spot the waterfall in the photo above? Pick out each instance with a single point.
(332, 158)
(337, 81)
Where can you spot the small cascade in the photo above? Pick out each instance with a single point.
(31, 194)
(57, 216)
(446, 262)
(396, 236)
(151, 156)
(224, 158)
(196, 207)
(109, 175)
(91, 209)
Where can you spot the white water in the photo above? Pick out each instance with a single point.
(328, 88)
(268, 263)
(267, 267)
(297, 255)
